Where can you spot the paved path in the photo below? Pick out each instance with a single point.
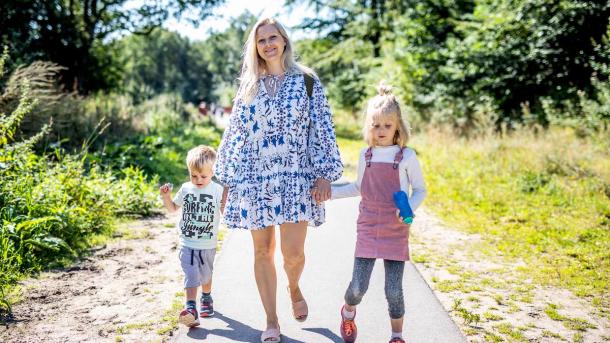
(329, 253)
(220, 121)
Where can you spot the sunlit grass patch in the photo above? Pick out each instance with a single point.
(468, 316)
(516, 334)
(542, 199)
(350, 155)
(550, 334)
(170, 318)
(492, 316)
(577, 324)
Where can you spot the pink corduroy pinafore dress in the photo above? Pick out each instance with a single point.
(380, 234)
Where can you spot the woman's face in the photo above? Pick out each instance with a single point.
(269, 43)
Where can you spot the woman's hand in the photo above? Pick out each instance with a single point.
(321, 190)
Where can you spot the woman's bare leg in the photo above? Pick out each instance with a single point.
(293, 245)
(264, 272)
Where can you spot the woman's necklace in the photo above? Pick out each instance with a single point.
(273, 83)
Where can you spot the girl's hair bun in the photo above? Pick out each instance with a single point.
(384, 89)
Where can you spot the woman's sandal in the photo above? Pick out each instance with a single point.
(271, 335)
(299, 309)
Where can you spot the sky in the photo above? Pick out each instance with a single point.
(233, 8)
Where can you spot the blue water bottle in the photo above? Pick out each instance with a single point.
(402, 203)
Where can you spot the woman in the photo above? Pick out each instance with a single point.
(278, 157)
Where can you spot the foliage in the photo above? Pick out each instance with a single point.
(222, 53)
(50, 206)
(467, 64)
(533, 199)
(74, 34)
(164, 62)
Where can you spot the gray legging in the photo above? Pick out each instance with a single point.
(363, 267)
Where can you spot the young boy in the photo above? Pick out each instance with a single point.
(201, 202)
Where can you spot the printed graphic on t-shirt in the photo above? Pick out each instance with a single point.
(198, 216)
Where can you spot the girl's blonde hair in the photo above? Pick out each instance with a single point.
(385, 105)
(254, 66)
(200, 157)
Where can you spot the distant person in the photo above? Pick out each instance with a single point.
(203, 108)
(386, 166)
(278, 157)
(201, 203)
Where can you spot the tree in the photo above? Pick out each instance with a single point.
(222, 54)
(164, 62)
(74, 33)
(365, 20)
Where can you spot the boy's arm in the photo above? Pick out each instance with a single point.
(166, 196)
(169, 204)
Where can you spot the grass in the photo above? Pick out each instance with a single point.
(577, 324)
(468, 316)
(350, 154)
(542, 199)
(549, 334)
(492, 316)
(507, 329)
(170, 319)
(492, 337)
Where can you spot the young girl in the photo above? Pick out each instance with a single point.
(385, 167)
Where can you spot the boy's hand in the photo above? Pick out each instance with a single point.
(165, 190)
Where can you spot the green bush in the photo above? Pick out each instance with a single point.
(51, 205)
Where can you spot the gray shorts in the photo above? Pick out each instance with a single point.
(197, 266)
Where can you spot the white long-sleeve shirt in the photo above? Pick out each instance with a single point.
(410, 175)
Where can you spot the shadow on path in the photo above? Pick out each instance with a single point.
(237, 331)
(326, 333)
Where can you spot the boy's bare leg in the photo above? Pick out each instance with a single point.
(191, 293)
(207, 287)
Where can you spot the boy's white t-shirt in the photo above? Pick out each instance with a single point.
(199, 215)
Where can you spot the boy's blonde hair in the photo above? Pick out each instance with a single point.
(200, 157)
(385, 105)
(253, 66)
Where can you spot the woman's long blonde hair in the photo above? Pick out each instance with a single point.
(385, 104)
(254, 66)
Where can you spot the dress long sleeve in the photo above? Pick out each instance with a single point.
(274, 148)
(352, 189)
(323, 148)
(227, 161)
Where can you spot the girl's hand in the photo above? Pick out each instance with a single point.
(165, 190)
(401, 219)
(321, 190)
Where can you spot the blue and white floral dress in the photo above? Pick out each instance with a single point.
(273, 151)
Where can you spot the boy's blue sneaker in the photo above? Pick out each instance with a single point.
(207, 309)
(189, 317)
